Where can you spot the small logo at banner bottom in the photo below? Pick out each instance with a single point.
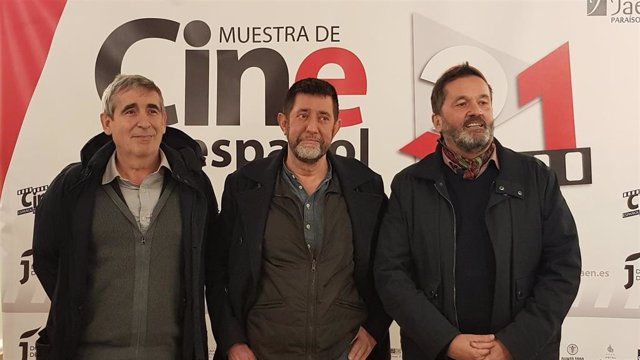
(572, 349)
(610, 355)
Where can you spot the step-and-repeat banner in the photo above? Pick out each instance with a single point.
(565, 74)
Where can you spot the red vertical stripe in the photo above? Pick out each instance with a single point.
(26, 31)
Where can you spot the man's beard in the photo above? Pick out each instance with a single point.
(469, 142)
(309, 153)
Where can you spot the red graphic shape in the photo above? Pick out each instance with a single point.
(354, 82)
(422, 146)
(26, 32)
(550, 80)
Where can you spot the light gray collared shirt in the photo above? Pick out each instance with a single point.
(141, 199)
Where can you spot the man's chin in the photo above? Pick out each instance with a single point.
(309, 156)
(473, 145)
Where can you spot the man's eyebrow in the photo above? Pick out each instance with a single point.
(153, 106)
(129, 106)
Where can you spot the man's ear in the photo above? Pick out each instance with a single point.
(282, 121)
(336, 126)
(106, 120)
(164, 121)
(437, 121)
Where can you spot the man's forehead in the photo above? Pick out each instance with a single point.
(316, 98)
(464, 85)
(129, 95)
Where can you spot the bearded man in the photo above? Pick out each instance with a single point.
(295, 277)
(478, 255)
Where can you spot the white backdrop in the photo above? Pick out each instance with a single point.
(565, 75)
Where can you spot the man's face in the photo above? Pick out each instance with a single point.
(466, 117)
(137, 124)
(310, 126)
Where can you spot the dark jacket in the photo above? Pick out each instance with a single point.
(536, 250)
(63, 227)
(245, 205)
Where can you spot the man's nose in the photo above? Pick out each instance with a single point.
(144, 121)
(312, 124)
(475, 109)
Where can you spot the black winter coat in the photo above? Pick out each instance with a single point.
(63, 227)
(536, 250)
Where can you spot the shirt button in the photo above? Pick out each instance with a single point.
(501, 188)
(308, 206)
(308, 227)
(300, 187)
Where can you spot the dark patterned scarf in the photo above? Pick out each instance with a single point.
(471, 167)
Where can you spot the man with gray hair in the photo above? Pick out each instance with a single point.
(120, 237)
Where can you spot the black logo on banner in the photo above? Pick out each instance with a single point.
(25, 262)
(632, 203)
(230, 67)
(633, 272)
(30, 197)
(27, 344)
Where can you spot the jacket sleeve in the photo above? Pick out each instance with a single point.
(556, 281)
(47, 233)
(378, 321)
(408, 305)
(227, 328)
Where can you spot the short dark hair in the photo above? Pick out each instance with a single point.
(438, 94)
(310, 86)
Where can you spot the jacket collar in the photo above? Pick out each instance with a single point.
(265, 173)
(183, 153)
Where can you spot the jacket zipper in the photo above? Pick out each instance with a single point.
(312, 307)
(455, 245)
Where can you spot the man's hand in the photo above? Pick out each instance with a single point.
(240, 351)
(471, 347)
(361, 345)
(499, 352)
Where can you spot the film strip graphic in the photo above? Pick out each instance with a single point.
(30, 197)
(558, 161)
(632, 203)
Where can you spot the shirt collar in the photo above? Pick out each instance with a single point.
(293, 180)
(111, 171)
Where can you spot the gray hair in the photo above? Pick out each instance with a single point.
(125, 82)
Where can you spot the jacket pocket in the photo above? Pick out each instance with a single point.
(43, 349)
(350, 305)
(275, 304)
(523, 288)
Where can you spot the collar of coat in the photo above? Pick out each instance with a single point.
(183, 153)
(264, 171)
